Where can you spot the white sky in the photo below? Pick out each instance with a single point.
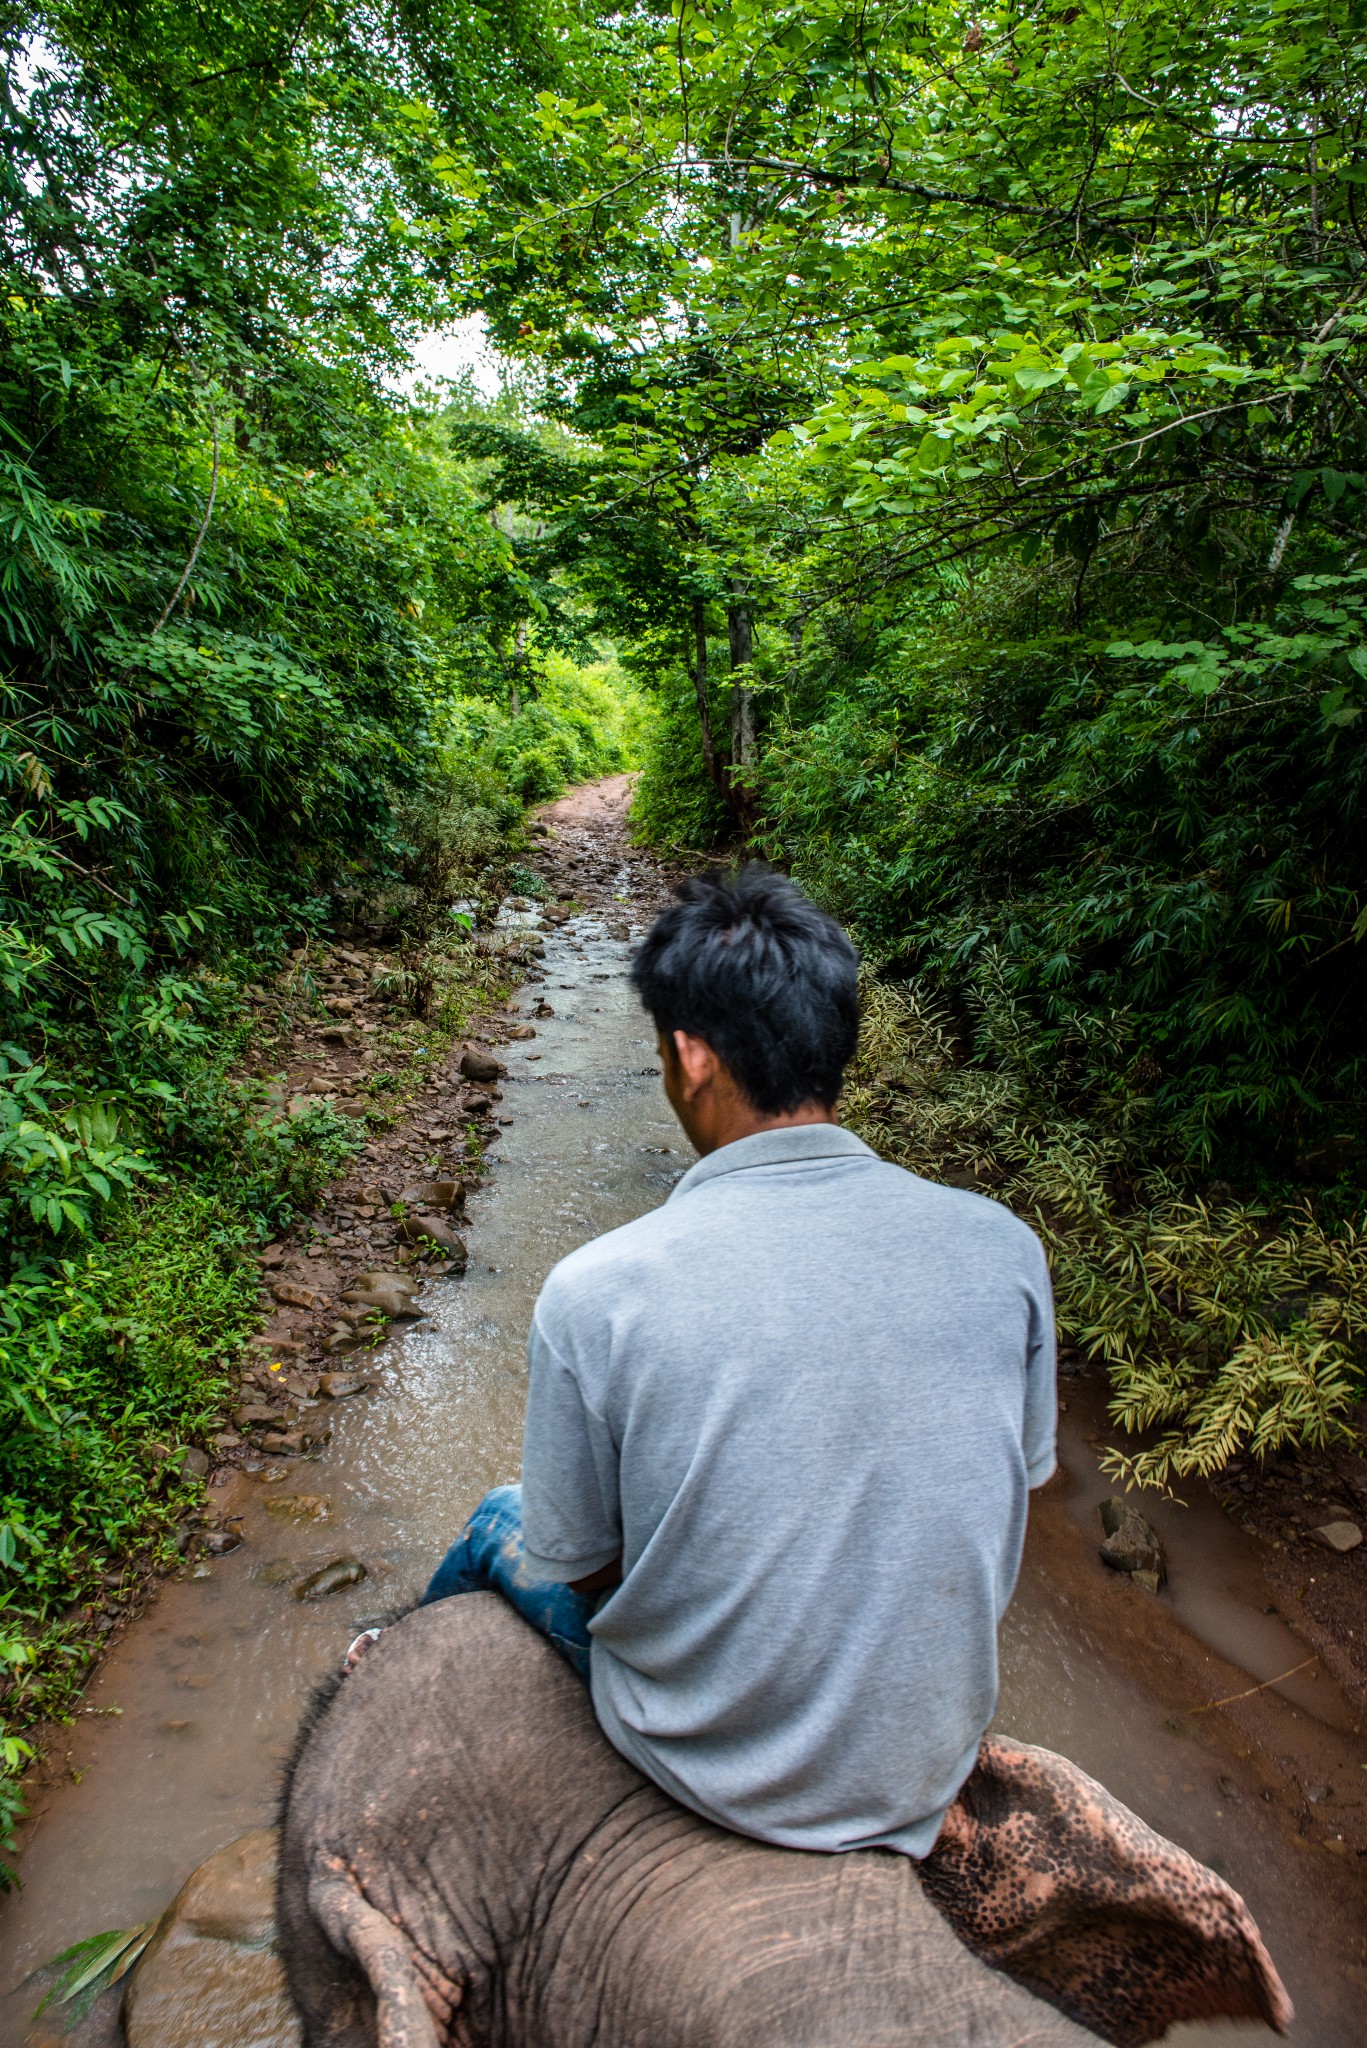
(448, 351)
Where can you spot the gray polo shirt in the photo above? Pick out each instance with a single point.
(804, 1400)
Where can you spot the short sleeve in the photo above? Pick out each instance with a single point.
(571, 1508)
(1040, 1432)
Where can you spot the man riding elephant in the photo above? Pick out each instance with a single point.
(780, 1431)
(779, 1442)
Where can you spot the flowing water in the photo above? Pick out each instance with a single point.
(183, 1734)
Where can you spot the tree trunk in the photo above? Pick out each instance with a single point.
(740, 622)
(709, 751)
(519, 664)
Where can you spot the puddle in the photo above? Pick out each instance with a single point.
(210, 1685)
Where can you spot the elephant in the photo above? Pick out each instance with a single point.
(466, 1862)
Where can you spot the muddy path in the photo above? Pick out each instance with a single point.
(185, 1728)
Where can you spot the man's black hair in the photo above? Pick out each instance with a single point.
(750, 964)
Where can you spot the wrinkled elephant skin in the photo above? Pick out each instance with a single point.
(465, 1860)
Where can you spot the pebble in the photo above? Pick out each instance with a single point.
(343, 1571)
(1339, 1536)
(436, 1194)
(423, 1230)
(335, 1386)
(393, 1293)
(481, 1066)
(293, 1294)
(300, 1507)
(255, 1413)
(1131, 1544)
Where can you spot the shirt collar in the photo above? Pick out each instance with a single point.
(790, 1145)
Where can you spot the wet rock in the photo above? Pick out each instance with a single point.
(194, 1464)
(430, 1230)
(294, 1294)
(219, 1542)
(481, 1066)
(300, 1507)
(211, 1976)
(332, 1578)
(543, 1008)
(1339, 1536)
(392, 1293)
(278, 1572)
(1131, 1544)
(436, 1194)
(255, 1415)
(522, 1031)
(342, 1338)
(479, 1105)
(336, 1386)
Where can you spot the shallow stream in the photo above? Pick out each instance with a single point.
(180, 1745)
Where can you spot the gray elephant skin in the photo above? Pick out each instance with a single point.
(466, 1861)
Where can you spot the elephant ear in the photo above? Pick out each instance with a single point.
(414, 2002)
(1047, 1877)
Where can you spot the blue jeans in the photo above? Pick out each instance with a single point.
(491, 1555)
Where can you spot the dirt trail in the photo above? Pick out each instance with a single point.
(180, 1747)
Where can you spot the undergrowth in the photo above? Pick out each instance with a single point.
(1224, 1324)
(133, 1214)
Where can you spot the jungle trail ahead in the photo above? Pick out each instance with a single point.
(327, 1513)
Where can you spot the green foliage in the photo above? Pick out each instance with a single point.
(247, 598)
(1000, 390)
(570, 724)
(998, 387)
(1169, 879)
(1221, 1331)
(88, 1968)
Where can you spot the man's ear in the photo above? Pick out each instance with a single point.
(698, 1065)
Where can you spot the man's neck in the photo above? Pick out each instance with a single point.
(738, 1119)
